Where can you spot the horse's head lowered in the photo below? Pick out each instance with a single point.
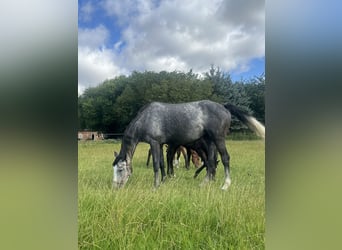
(122, 171)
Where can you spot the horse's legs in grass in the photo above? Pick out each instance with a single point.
(204, 158)
(155, 148)
(210, 163)
(211, 170)
(221, 147)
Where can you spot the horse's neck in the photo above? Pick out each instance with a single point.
(128, 146)
(130, 139)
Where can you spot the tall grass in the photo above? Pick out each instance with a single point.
(179, 214)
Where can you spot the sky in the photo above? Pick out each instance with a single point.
(116, 37)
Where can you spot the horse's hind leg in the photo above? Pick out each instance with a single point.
(211, 168)
(221, 147)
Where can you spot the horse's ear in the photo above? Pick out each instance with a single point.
(115, 154)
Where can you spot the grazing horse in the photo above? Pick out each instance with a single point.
(179, 124)
(204, 163)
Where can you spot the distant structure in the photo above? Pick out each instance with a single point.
(90, 135)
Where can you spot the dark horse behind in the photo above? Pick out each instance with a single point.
(180, 124)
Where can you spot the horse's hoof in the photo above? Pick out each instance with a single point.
(226, 185)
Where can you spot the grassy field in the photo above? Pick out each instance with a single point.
(178, 215)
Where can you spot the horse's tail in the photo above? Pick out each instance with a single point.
(247, 119)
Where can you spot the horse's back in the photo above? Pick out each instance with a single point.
(188, 114)
(186, 107)
(182, 122)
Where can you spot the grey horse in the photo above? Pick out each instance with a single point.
(180, 124)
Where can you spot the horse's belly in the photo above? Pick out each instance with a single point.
(182, 137)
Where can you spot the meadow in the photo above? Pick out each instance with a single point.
(179, 214)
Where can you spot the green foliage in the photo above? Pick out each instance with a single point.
(179, 214)
(227, 91)
(255, 89)
(110, 106)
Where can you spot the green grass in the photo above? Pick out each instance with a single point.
(179, 214)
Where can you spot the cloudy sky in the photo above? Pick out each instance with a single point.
(116, 37)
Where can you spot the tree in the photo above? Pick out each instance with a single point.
(224, 90)
(255, 89)
(110, 106)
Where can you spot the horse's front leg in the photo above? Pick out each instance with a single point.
(155, 148)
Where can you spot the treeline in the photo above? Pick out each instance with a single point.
(110, 106)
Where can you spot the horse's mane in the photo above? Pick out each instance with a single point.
(133, 121)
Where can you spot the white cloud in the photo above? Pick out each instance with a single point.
(86, 11)
(245, 13)
(95, 62)
(193, 34)
(181, 35)
(93, 38)
(95, 66)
